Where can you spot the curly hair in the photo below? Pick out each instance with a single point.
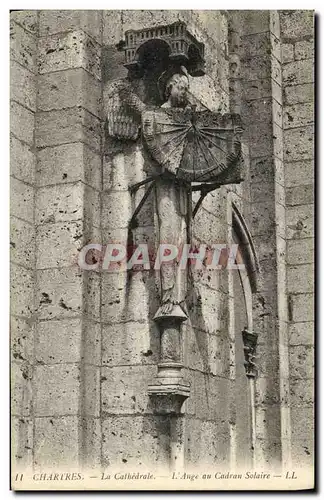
(174, 79)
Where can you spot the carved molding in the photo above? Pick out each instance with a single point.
(250, 343)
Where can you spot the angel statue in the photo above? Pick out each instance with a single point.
(189, 146)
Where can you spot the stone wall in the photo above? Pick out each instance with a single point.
(297, 37)
(23, 71)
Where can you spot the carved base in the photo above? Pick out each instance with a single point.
(169, 390)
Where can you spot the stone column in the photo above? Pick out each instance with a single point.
(297, 39)
(68, 177)
(23, 69)
(262, 116)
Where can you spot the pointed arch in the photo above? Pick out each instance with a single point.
(247, 247)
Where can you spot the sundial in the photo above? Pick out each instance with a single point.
(194, 146)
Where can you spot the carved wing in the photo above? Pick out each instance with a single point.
(123, 110)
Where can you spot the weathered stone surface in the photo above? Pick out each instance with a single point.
(69, 50)
(66, 89)
(26, 18)
(91, 390)
(22, 339)
(22, 200)
(68, 163)
(296, 24)
(57, 442)
(21, 389)
(130, 343)
(301, 361)
(300, 222)
(287, 52)
(22, 86)
(302, 307)
(58, 245)
(124, 389)
(294, 94)
(301, 333)
(22, 442)
(299, 173)
(22, 243)
(300, 251)
(301, 278)
(56, 21)
(298, 115)
(146, 444)
(58, 341)
(22, 123)
(206, 441)
(304, 49)
(21, 291)
(301, 392)
(57, 389)
(22, 46)
(298, 72)
(22, 161)
(67, 203)
(68, 125)
(116, 209)
(300, 195)
(59, 293)
(299, 144)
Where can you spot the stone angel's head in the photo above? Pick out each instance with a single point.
(176, 89)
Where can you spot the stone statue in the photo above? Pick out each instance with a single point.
(153, 104)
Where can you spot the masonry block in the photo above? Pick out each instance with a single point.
(116, 209)
(69, 50)
(21, 389)
(299, 144)
(287, 52)
(68, 163)
(58, 245)
(146, 445)
(300, 251)
(301, 392)
(296, 24)
(65, 89)
(300, 222)
(69, 125)
(304, 49)
(57, 443)
(56, 21)
(298, 115)
(301, 333)
(22, 339)
(22, 243)
(297, 72)
(59, 341)
(22, 442)
(299, 173)
(22, 123)
(22, 291)
(124, 389)
(301, 361)
(294, 94)
(57, 389)
(22, 46)
(302, 307)
(300, 195)
(22, 86)
(130, 343)
(26, 18)
(59, 293)
(22, 161)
